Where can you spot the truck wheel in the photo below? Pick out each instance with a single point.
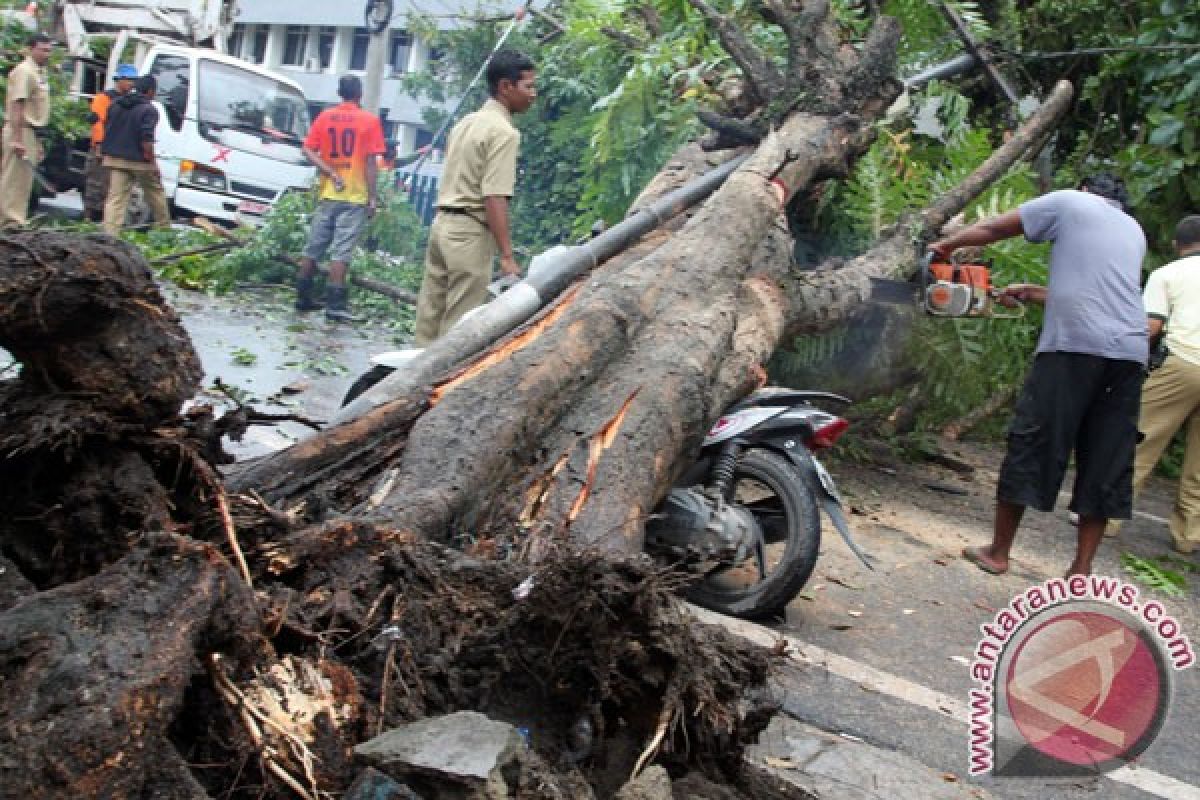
(139, 210)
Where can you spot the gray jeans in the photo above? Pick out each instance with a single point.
(336, 227)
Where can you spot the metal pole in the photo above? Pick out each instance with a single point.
(376, 63)
(495, 319)
(449, 120)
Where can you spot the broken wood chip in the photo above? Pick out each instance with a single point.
(982, 606)
(960, 660)
(949, 777)
(295, 387)
(944, 488)
(843, 582)
(840, 626)
(780, 763)
(855, 613)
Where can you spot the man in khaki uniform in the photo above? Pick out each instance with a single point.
(471, 225)
(26, 108)
(1171, 395)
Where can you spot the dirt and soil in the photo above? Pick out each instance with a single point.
(162, 638)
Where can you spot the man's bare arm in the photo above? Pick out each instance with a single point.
(984, 232)
(495, 208)
(324, 166)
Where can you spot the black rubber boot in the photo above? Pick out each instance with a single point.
(304, 295)
(337, 305)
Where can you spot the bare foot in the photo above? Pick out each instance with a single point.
(982, 558)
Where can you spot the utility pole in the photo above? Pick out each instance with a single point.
(376, 63)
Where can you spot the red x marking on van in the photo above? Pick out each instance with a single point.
(222, 154)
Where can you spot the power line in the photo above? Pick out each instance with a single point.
(1095, 51)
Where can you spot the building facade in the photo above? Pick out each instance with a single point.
(316, 43)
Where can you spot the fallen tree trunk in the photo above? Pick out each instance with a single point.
(591, 405)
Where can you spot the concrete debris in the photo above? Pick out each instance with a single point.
(466, 750)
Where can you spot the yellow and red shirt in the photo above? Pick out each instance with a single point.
(346, 136)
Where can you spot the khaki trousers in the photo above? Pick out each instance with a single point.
(16, 181)
(458, 268)
(123, 175)
(1170, 400)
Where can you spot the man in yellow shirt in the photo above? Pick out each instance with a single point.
(1171, 395)
(477, 182)
(26, 108)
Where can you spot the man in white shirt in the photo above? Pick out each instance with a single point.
(1171, 395)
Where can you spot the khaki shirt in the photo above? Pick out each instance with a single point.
(28, 82)
(481, 158)
(1173, 295)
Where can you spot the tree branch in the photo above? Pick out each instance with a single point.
(763, 75)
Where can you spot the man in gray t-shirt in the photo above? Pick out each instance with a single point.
(1081, 396)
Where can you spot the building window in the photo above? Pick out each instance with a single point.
(358, 52)
(399, 47)
(325, 39)
(294, 44)
(236, 38)
(258, 53)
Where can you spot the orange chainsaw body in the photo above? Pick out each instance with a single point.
(958, 290)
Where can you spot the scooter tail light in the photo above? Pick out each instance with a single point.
(827, 435)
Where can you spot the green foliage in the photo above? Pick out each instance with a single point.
(1156, 574)
(243, 357)
(1136, 111)
(284, 233)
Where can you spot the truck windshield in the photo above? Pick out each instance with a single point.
(232, 97)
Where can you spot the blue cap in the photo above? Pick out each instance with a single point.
(126, 72)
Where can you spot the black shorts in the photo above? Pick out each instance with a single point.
(1081, 404)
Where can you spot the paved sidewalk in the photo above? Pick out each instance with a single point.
(834, 767)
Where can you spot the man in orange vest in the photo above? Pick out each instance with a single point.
(95, 192)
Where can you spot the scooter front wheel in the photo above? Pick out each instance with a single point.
(785, 507)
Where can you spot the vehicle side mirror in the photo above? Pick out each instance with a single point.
(173, 114)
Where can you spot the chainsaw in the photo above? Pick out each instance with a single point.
(949, 289)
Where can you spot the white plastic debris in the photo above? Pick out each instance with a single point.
(523, 589)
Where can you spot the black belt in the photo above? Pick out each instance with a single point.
(462, 212)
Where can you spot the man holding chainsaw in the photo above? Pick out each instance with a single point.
(471, 225)
(1081, 395)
